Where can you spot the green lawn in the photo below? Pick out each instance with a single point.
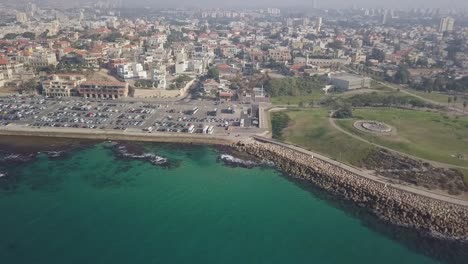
(310, 129)
(428, 135)
(295, 100)
(441, 98)
(316, 96)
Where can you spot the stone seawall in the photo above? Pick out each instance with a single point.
(117, 135)
(426, 215)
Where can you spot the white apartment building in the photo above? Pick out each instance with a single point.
(159, 76)
(349, 81)
(446, 24)
(131, 71)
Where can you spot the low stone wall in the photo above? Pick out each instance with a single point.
(424, 214)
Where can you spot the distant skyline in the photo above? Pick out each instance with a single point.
(402, 4)
(396, 4)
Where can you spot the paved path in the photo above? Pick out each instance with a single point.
(433, 162)
(365, 174)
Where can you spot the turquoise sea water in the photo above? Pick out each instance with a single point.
(91, 207)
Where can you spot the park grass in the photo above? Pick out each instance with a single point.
(296, 100)
(441, 98)
(429, 135)
(380, 87)
(317, 96)
(311, 130)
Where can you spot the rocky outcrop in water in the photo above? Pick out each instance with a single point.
(395, 206)
(135, 152)
(14, 158)
(232, 161)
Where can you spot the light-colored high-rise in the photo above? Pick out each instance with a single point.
(318, 24)
(446, 24)
(385, 17)
(21, 17)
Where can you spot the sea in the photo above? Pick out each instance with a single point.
(90, 205)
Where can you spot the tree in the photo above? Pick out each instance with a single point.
(29, 35)
(10, 36)
(424, 62)
(464, 106)
(402, 75)
(336, 45)
(113, 36)
(449, 100)
(29, 86)
(378, 54)
(345, 111)
(213, 73)
(44, 34)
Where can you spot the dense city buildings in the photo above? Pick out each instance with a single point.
(156, 52)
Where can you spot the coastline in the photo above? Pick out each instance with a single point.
(96, 135)
(390, 203)
(430, 217)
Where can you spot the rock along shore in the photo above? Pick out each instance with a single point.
(429, 216)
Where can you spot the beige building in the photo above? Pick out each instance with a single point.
(100, 89)
(39, 59)
(21, 17)
(62, 85)
(10, 70)
(279, 54)
(2, 80)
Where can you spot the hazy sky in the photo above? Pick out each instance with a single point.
(445, 4)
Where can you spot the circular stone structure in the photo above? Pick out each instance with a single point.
(374, 127)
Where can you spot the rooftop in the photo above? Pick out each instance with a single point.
(347, 77)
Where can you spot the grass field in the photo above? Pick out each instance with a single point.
(316, 96)
(296, 100)
(310, 129)
(441, 98)
(428, 135)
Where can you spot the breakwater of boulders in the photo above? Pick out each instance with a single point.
(398, 207)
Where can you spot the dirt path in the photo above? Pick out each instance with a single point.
(434, 163)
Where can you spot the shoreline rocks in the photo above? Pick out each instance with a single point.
(134, 152)
(234, 162)
(429, 216)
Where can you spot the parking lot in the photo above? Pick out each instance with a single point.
(207, 117)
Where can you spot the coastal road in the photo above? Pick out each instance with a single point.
(365, 174)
